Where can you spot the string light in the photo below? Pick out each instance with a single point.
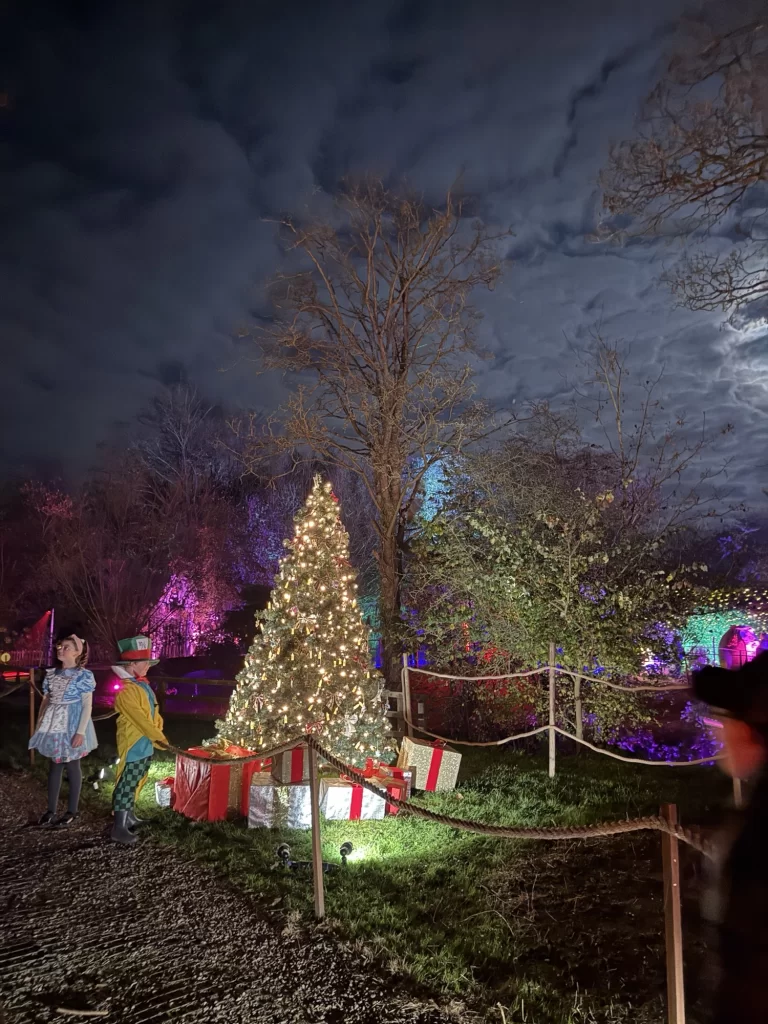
(308, 669)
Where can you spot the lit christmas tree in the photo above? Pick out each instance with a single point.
(308, 668)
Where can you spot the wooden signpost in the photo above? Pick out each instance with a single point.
(673, 920)
(317, 839)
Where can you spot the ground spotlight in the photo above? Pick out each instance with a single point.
(284, 854)
(345, 851)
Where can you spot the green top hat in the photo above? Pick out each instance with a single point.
(136, 648)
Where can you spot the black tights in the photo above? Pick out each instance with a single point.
(75, 780)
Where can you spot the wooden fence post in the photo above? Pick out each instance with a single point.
(552, 735)
(578, 709)
(738, 795)
(407, 709)
(673, 920)
(317, 843)
(32, 715)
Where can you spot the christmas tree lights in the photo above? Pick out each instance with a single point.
(308, 669)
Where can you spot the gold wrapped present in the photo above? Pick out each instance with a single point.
(435, 765)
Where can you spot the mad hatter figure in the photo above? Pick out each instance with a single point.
(139, 731)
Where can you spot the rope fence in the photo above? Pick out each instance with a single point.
(665, 823)
(552, 670)
(559, 670)
(13, 689)
(690, 836)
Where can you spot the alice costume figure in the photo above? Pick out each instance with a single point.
(139, 732)
(65, 732)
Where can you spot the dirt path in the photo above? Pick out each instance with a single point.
(151, 938)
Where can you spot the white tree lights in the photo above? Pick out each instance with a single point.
(308, 668)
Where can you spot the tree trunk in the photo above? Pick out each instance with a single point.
(389, 611)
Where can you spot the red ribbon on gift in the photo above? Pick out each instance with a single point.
(297, 764)
(356, 803)
(356, 799)
(398, 788)
(434, 767)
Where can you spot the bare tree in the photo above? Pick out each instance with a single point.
(375, 327)
(651, 462)
(107, 551)
(701, 147)
(180, 441)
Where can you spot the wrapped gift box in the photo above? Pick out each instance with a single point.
(292, 765)
(400, 789)
(343, 800)
(271, 805)
(164, 792)
(435, 765)
(400, 784)
(213, 790)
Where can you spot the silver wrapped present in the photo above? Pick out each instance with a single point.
(271, 805)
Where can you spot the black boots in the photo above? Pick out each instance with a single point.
(120, 830)
(134, 822)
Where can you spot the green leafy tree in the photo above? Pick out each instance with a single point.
(308, 670)
(556, 538)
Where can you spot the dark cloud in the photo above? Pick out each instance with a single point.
(145, 148)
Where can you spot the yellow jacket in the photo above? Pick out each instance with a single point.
(135, 719)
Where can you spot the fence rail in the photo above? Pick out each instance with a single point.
(552, 671)
(666, 822)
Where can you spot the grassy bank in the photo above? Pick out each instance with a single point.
(561, 932)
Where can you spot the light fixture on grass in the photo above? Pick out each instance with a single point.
(285, 857)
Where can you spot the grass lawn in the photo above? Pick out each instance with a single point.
(526, 931)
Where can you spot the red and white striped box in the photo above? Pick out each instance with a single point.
(291, 765)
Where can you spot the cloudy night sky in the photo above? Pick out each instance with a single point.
(147, 147)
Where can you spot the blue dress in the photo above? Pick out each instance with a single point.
(65, 688)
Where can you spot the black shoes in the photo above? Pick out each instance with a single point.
(50, 820)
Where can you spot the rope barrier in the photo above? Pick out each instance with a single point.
(671, 688)
(561, 732)
(263, 756)
(13, 689)
(637, 760)
(653, 823)
(692, 837)
(560, 671)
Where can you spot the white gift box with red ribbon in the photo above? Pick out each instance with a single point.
(342, 800)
